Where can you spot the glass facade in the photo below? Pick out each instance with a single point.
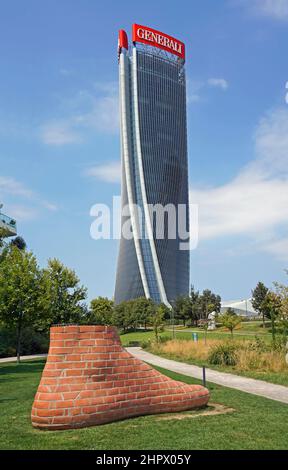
(155, 171)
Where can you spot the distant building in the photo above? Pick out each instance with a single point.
(8, 227)
(243, 308)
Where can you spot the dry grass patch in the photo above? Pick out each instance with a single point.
(186, 349)
(247, 356)
(272, 361)
(212, 409)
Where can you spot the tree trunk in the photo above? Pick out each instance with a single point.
(273, 327)
(263, 320)
(19, 331)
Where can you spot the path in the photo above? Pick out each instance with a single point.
(23, 358)
(245, 384)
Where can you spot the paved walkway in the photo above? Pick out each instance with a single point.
(14, 359)
(256, 387)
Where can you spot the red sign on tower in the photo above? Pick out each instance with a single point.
(155, 38)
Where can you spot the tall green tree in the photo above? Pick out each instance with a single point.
(180, 310)
(123, 316)
(195, 306)
(142, 309)
(272, 309)
(157, 320)
(209, 302)
(64, 295)
(20, 296)
(258, 299)
(282, 291)
(101, 311)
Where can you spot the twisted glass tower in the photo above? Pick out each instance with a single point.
(154, 166)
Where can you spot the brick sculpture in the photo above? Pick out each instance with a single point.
(89, 379)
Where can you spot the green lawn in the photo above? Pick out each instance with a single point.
(257, 423)
(241, 334)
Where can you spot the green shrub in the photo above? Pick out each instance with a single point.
(32, 342)
(279, 343)
(223, 354)
(258, 344)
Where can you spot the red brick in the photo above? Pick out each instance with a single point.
(50, 396)
(89, 379)
(73, 357)
(64, 404)
(50, 413)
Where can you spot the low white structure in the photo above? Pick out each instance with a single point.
(212, 321)
(243, 308)
(8, 226)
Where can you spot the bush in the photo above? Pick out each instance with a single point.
(223, 354)
(258, 345)
(153, 343)
(32, 342)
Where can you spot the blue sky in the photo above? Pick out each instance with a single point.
(59, 139)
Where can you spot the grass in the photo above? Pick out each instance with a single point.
(220, 334)
(257, 423)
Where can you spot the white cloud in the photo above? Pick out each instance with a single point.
(49, 206)
(255, 202)
(196, 88)
(59, 133)
(278, 248)
(275, 9)
(11, 190)
(65, 72)
(85, 112)
(218, 83)
(9, 185)
(110, 172)
(21, 213)
(103, 116)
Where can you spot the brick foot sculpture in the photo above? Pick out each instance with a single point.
(89, 379)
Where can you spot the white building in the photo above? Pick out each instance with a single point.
(8, 227)
(243, 308)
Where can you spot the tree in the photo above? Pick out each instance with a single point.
(258, 298)
(64, 295)
(101, 312)
(20, 278)
(181, 308)
(122, 316)
(157, 320)
(282, 292)
(230, 311)
(272, 308)
(195, 306)
(230, 320)
(19, 242)
(143, 309)
(209, 302)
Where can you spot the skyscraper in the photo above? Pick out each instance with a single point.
(154, 165)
